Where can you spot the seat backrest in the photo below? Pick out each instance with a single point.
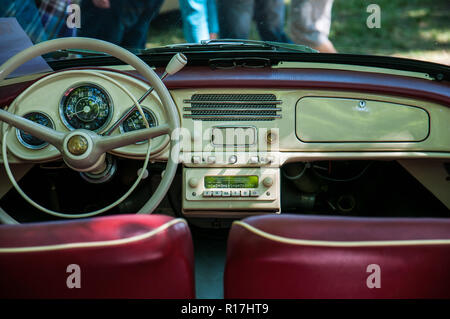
(293, 256)
(127, 256)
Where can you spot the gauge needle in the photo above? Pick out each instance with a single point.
(74, 113)
(86, 109)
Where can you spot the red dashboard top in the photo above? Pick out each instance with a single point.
(324, 79)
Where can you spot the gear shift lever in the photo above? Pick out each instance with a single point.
(175, 64)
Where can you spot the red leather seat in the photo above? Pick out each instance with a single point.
(292, 256)
(128, 256)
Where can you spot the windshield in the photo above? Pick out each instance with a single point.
(415, 29)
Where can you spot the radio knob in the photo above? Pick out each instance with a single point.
(193, 182)
(266, 160)
(253, 160)
(268, 181)
(232, 159)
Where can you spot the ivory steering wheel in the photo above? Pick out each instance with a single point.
(83, 150)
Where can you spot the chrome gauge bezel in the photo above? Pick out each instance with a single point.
(144, 108)
(76, 86)
(29, 146)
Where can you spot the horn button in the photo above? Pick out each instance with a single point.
(77, 145)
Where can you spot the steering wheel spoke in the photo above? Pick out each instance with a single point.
(107, 143)
(40, 131)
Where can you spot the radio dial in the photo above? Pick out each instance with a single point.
(268, 181)
(193, 182)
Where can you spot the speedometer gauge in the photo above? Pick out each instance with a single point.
(135, 122)
(86, 106)
(28, 140)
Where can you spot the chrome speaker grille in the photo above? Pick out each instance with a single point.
(233, 107)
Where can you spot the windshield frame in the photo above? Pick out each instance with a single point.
(202, 56)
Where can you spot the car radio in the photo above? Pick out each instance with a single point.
(238, 189)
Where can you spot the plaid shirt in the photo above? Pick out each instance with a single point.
(41, 19)
(53, 16)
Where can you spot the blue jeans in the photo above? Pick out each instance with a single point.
(199, 19)
(126, 23)
(235, 17)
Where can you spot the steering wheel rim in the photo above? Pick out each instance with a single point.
(140, 66)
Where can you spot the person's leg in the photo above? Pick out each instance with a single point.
(194, 14)
(310, 23)
(269, 18)
(100, 23)
(135, 36)
(235, 17)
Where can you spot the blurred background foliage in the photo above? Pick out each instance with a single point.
(418, 29)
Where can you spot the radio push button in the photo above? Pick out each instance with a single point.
(236, 193)
(245, 193)
(217, 193)
(207, 194)
(254, 193)
(226, 194)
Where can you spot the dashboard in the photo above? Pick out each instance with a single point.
(237, 134)
(83, 99)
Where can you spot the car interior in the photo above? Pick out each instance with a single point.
(224, 170)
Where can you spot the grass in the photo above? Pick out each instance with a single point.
(413, 28)
(418, 29)
(165, 29)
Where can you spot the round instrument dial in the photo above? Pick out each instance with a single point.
(135, 122)
(86, 106)
(28, 140)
